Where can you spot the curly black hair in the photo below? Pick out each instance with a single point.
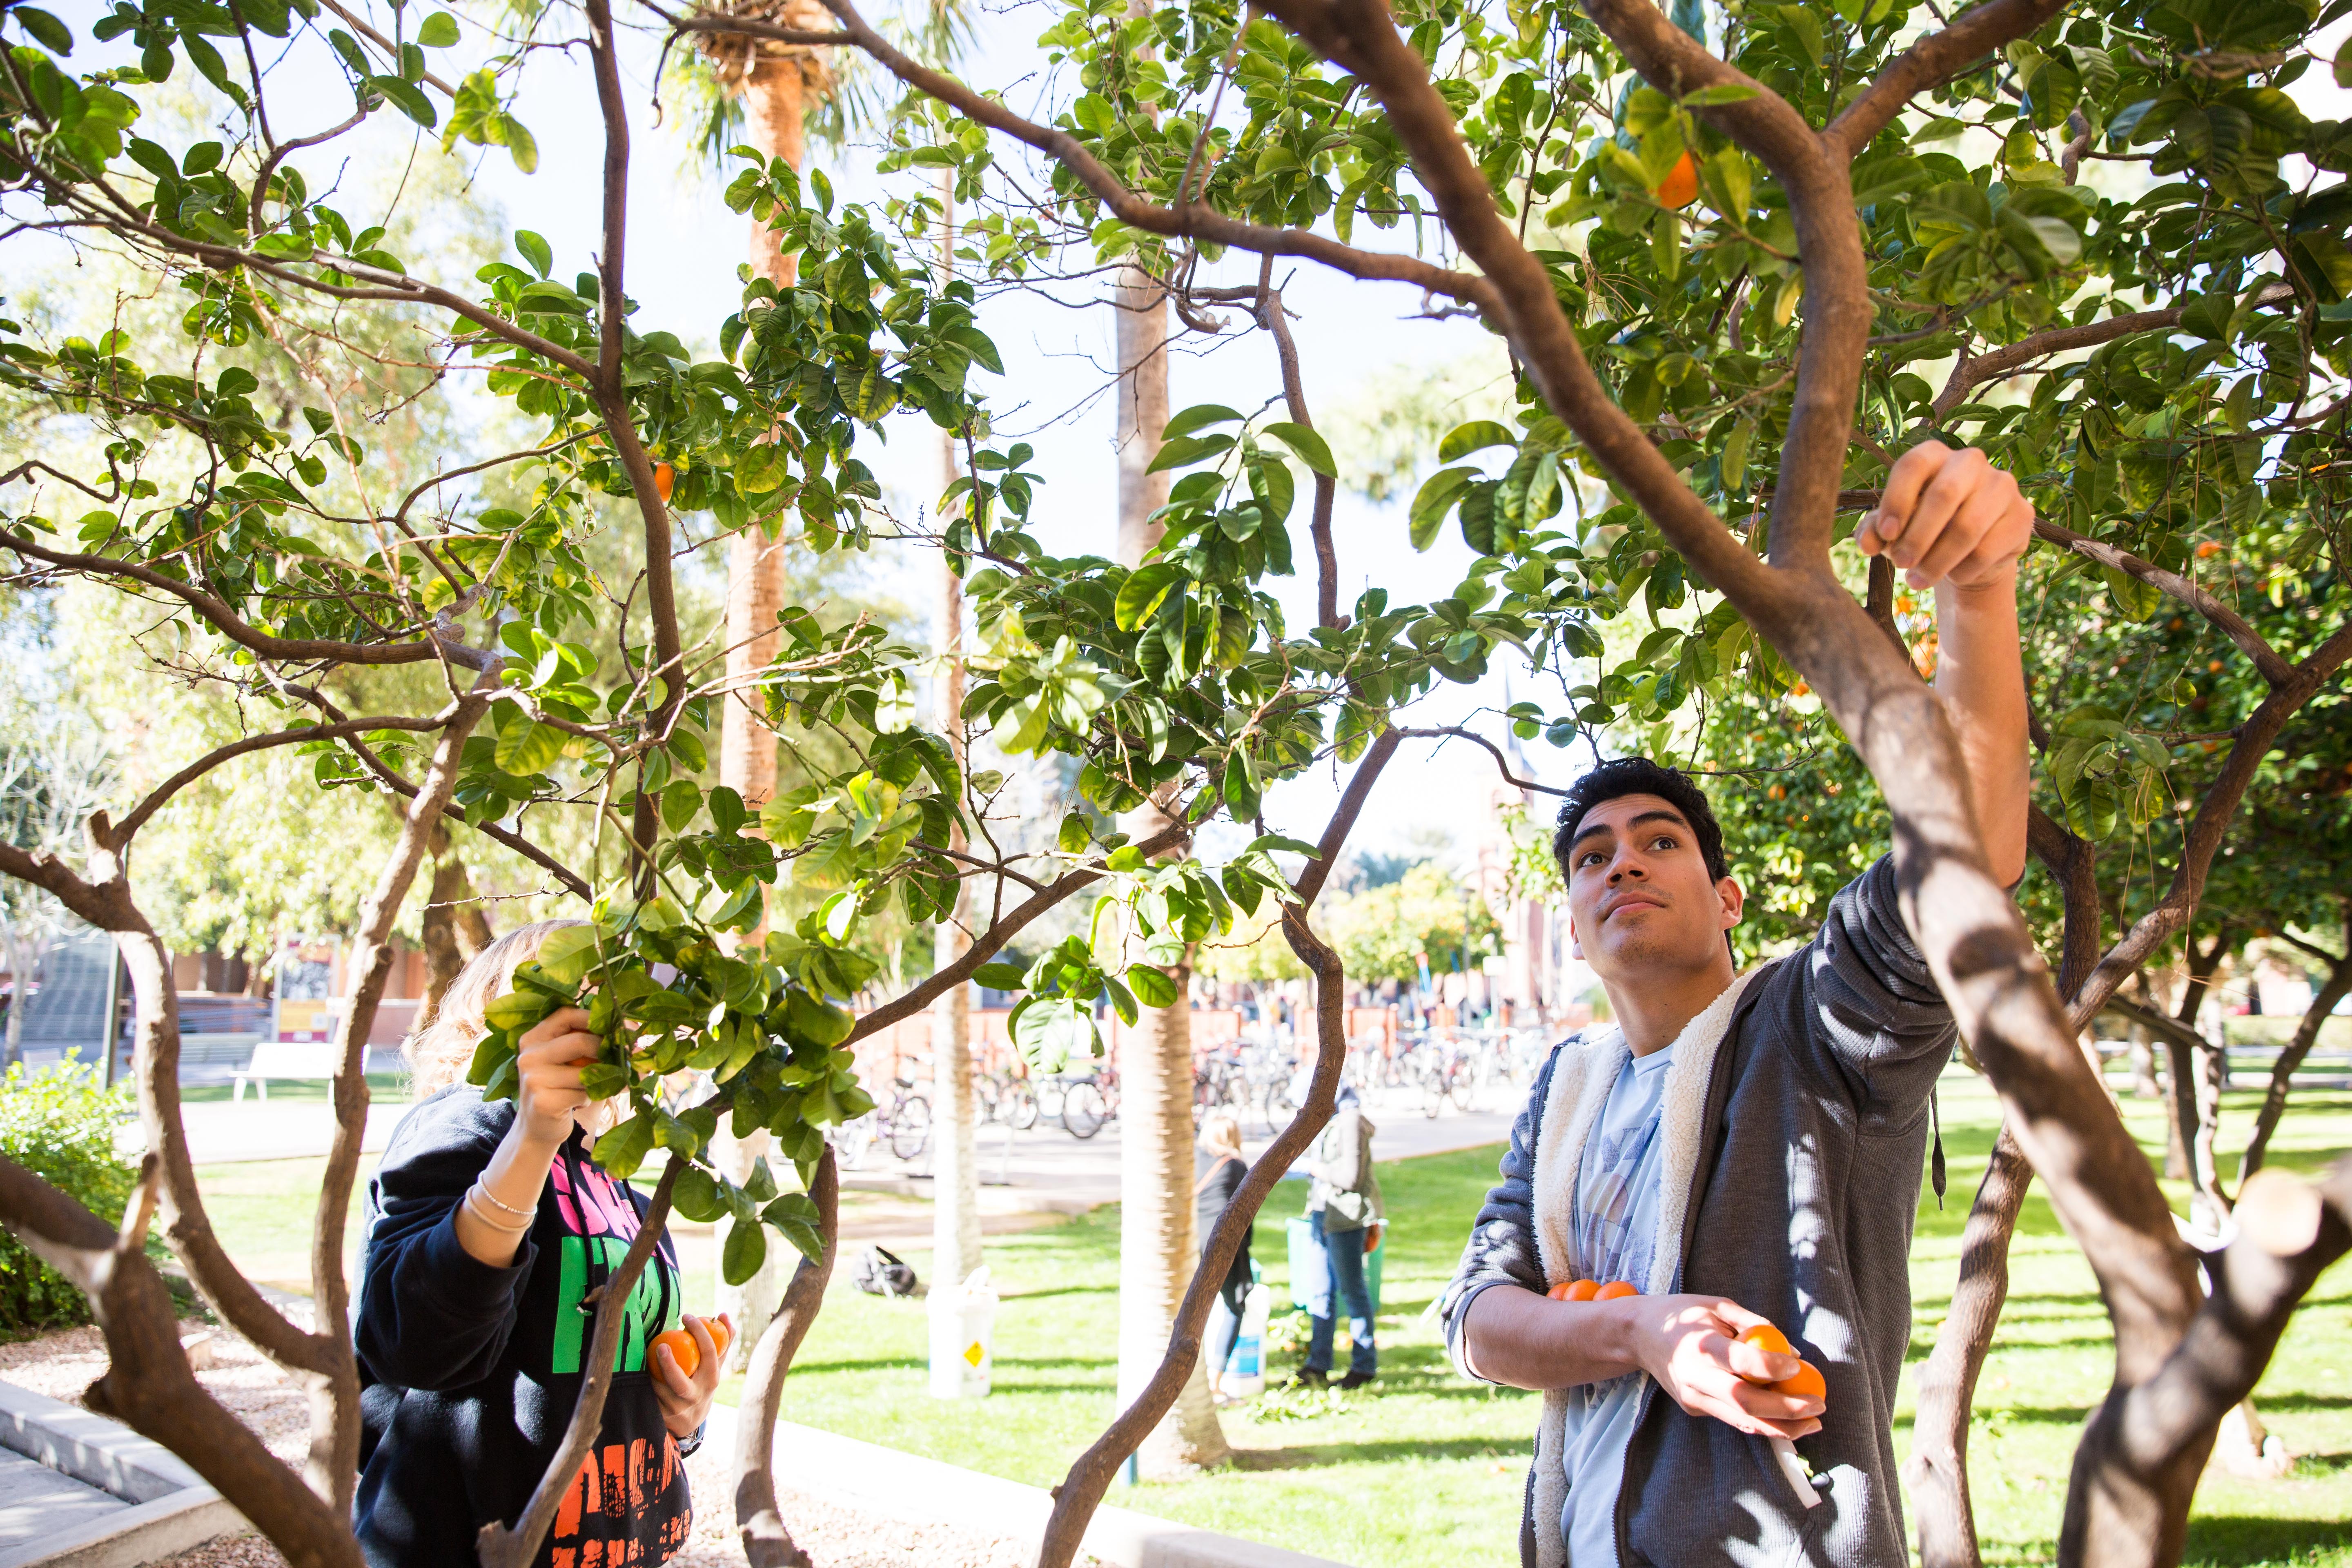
(1640, 776)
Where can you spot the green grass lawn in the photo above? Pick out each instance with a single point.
(1428, 1469)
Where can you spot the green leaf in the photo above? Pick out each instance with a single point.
(1720, 93)
(697, 1195)
(747, 1248)
(438, 32)
(494, 1050)
(1310, 448)
(1430, 504)
(518, 1009)
(625, 1148)
(1001, 976)
(794, 1216)
(1142, 595)
(535, 250)
(1199, 416)
(46, 30)
(1188, 449)
(567, 954)
(1075, 835)
(818, 1021)
(527, 747)
(680, 802)
(1474, 436)
(727, 813)
(520, 144)
(1151, 987)
(407, 97)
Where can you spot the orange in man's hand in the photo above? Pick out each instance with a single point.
(1574, 1290)
(1680, 187)
(1766, 1338)
(1615, 1290)
(1807, 1384)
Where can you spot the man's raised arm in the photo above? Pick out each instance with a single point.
(1953, 522)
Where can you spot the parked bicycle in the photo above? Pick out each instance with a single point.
(901, 1123)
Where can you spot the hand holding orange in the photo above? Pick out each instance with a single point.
(1806, 1383)
(681, 1345)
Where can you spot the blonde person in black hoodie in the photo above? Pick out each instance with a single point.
(486, 1228)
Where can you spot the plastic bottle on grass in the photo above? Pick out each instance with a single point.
(964, 1322)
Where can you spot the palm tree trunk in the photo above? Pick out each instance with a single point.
(955, 1127)
(775, 102)
(1157, 1249)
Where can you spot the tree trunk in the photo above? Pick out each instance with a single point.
(1157, 1247)
(775, 102)
(20, 983)
(452, 931)
(955, 1123)
(2306, 1035)
(1936, 1473)
(2189, 1115)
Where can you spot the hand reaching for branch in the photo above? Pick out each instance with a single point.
(1949, 515)
(549, 1062)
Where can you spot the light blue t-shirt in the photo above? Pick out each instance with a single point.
(1615, 1236)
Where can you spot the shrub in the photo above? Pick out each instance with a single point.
(59, 1124)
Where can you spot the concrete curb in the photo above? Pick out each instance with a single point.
(172, 1507)
(914, 1488)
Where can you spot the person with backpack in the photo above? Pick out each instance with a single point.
(1343, 1206)
(1742, 1151)
(487, 1232)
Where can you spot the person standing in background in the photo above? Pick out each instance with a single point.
(1344, 1208)
(1218, 1169)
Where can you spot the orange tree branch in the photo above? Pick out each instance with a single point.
(299, 650)
(1837, 308)
(148, 1383)
(334, 1463)
(162, 793)
(2275, 668)
(2012, 359)
(987, 944)
(758, 1515)
(1189, 220)
(1360, 37)
(1081, 1492)
(1931, 62)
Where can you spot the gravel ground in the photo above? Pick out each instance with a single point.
(62, 1366)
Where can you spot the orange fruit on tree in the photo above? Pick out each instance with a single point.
(1574, 1290)
(665, 480)
(2209, 548)
(1680, 187)
(1614, 1291)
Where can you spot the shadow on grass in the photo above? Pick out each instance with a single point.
(1311, 1456)
(2222, 1540)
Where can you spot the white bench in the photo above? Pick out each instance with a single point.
(286, 1060)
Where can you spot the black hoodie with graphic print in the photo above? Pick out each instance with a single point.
(469, 1374)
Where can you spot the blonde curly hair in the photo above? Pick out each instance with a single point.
(439, 1052)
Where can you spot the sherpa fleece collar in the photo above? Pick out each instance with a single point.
(1580, 1082)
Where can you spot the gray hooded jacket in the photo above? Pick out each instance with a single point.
(1807, 1182)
